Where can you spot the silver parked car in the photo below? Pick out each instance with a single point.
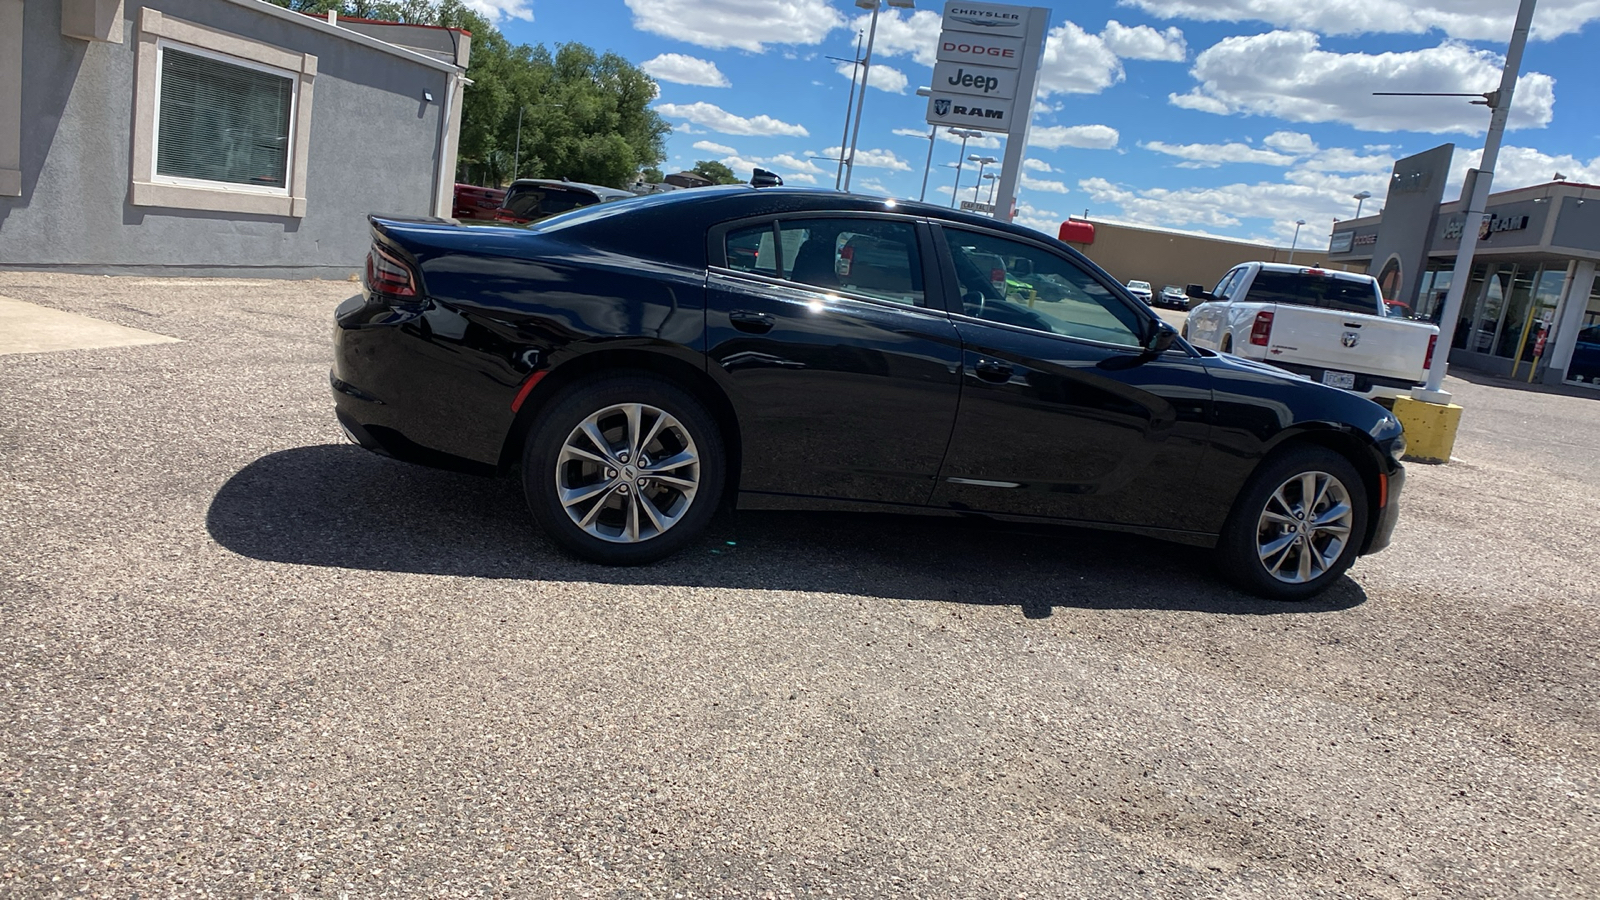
(1140, 289)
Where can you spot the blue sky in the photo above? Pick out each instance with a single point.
(1228, 117)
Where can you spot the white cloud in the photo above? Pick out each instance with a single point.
(790, 163)
(1037, 165)
(911, 132)
(870, 186)
(1076, 62)
(1144, 42)
(1030, 216)
(799, 177)
(747, 24)
(1520, 167)
(915, 35)
(984, 142)
(686, 128)
(681, 69)
(882, 77)
(1290, 142)
(1090, 137)
(791, 167)
(714, 147)
(723, 122)
(1286, 75)
(874, 159)
(498, 10)
(1210, 156)
(1040, 184)
(1479, 20)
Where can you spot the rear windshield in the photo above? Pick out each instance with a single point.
(539, 201)
(1325, 291)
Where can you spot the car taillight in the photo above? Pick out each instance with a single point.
(1261, 331)
(388, 276)
(1427, 361)
(997, 276)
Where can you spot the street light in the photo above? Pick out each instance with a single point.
(1360, 199)
(849, 106)
(964, 134)
(981, 161)
(866, 73)
(1296, 241)
(992, 176)
(933, 132)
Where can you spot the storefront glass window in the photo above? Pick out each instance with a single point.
(1517, 312)
(1469, 303)
(1585, 365)
(1490, 307)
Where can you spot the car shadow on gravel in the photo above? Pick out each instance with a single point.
(338, 505)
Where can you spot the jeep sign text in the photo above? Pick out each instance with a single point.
(985, 81)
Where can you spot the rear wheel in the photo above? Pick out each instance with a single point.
(1296, 527)
(1227, 343)
(624, 470)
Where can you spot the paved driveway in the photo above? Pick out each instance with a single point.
(242, 656)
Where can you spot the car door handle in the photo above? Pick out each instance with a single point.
(993, 370)
(752, 322)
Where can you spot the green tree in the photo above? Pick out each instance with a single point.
(582, 115)
(717, 172)
(652, 175)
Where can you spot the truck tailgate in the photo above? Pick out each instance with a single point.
(1349, 342)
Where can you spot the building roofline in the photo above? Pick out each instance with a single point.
(344, 18)
(321, 24)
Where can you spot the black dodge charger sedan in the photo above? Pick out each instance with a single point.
(641, 362)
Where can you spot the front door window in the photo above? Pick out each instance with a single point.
(1016, 283)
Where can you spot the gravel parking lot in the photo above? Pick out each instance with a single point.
(242, 656)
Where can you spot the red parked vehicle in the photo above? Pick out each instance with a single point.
(473, 202)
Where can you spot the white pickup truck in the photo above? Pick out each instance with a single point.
(1332, 327)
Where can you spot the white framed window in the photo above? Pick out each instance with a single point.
(221, 122)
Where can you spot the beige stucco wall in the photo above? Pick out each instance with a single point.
(1162, 257)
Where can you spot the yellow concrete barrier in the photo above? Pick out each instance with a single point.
(1430, 428)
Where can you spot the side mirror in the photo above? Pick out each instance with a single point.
(1160, 338)
(1198, 292)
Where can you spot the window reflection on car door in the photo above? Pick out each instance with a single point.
(1063, 414)
(844, 377)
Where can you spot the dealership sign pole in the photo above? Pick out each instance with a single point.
(986, 73)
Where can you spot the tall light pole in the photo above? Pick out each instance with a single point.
(991, 176)
(855, 69)
(1296, 241)
(866, 73)
(1474, 197)
(933, 132)
(964, 134)
(981, 161)
(1360, 199)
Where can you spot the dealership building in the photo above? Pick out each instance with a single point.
(1531, 310)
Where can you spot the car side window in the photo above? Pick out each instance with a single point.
(873, 258)
(1226, 286)
(753, 250)
(1008, 281)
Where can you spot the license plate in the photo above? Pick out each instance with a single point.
(1344, 380)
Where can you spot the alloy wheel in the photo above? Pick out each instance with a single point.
(628, 473)
(1304, 527)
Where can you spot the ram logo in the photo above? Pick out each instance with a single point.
(941, 107)
(1351, 338)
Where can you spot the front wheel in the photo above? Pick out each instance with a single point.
(1296, 527)
(624, 470)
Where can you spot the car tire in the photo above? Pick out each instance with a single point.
(624, 504)
(1265, 547)
(1227, 343)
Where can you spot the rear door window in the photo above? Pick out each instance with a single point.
(1323, 291)
(537, 202)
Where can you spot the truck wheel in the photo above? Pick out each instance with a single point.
(1297, 525)
(1227, 343)
(624, 470)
